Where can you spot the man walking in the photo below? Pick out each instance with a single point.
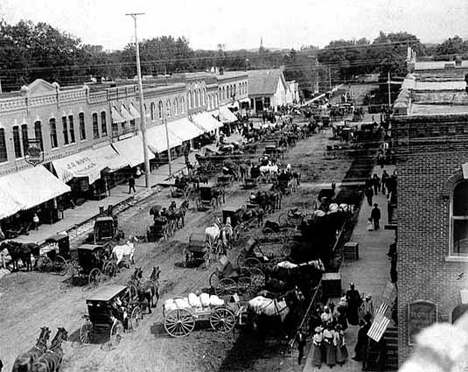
(301, 342)
(375, 215)
(369, 194)
(131, 184)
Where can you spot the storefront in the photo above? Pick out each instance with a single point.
(185, 130)
(209, 125)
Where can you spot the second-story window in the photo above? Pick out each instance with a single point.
(71, 127)
(53, 133)
(95, 126)
(82, 126)
(17, 142)
(38, 134)
(65, 130)
(103, 124)
(174, 107)
(160, 109)
(3, 149)
(168, 108)
(182, 104)
(153, 111)
(25, 137)
(459, 219)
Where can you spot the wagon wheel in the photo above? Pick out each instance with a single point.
(213, 203)
(283, 219)
(269, 233)
(86, 333)
(243, 284)
(60, 265)
(94, 277)
(135, 318)
(179, 323)
(222, 320)
(110, 269)
(258, 279)
(44, 264)
(116, 333)
(226, 287)
(214, 280)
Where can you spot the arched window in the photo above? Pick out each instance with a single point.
(82, 128)
(53, 133)
(95, 126)
(204, 97)
(209, 101)
(174, 107)
(153, 111)
(191, 100)
(197, 95)
(223, 95)
(3, 149)
(160, 110)
(17, 142)
(459, 219)
(182, 105)
(459, 311)
(25, 137)
(168, 108)
(103, 124)
(38, 134)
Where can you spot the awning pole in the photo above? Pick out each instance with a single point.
(142, 109)
(167, 143)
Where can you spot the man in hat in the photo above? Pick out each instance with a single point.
(354, 302)
(326, 316)
(375, 215)
(301, 342)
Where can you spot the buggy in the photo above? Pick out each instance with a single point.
(209, 196)
(252, 181)
(253, 256)
(197, 250)
(54, 254)
(94, 261)
(101, 315)
(105, 230)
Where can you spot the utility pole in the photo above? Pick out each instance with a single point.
(316, 75)
(329, 77)
(142, 108)
(389, 93)
(167, 143)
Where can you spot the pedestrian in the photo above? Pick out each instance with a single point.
(1, 365)
(367, 307)
(361, 344)
(326, 316)
(340, 344)
(317, 341)
(375, 215)
(330, 349)
(369, 194)
(35, 221)
(340, 315)
(385, 177)
(354, 302)
(301, 342)
(131, 184)
(376, 183)
(392, 249)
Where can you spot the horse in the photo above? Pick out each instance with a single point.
(269, 169)
(20, 251)
(127, 249)
(25, 361)
(180, 212)
(262, 307)
(148, 289)
(51, 360)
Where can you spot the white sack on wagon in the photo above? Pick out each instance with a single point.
(170, 305)
(205, 299)
(193, 300)
(182, 303)
(216, 301)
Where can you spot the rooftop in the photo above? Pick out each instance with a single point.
(264, 81)
(438, 65)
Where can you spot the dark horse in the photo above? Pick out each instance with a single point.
(51, 360)
(21, 251)
(180, 212)
(24, 362)
(149, 289)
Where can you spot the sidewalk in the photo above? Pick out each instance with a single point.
(370, 273)
(73, 219)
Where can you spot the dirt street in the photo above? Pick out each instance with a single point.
(31, 300)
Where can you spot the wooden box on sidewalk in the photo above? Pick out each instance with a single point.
(351, 251)
(331, 284)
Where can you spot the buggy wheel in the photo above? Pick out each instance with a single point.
(94, 277)
(44, 264)
(110, 269)
(269, 233)
(241, 259)
(86, 333)
(116, 333)
(252, 262)
(243, 284)
(214, 280)
(258, 280)
(179, 323)
(135, 318)
(225, 287)
(60, 265)
(222, 320)
(283, 219)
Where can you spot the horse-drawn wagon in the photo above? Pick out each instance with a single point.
(197, 250)
(209, 197)
(94, 261)
(181, 314)
(111, 310)
(54, 255)
(105, 230)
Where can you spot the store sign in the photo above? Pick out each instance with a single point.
(34, 154)
(421, 314)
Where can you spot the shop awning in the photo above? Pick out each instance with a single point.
(125, 114)
(226, 115)
(82, 164)
(134, 112)
(116, 117)
(131, 149)
(184, 129)
(108, 158)
(30, 187)
(206, 122)
(9, 206)
(156, 139)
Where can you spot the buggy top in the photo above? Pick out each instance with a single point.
(86, 256)
(99, 305)
(108, 293)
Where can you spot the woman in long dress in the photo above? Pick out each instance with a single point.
(330, 349)
(317, 344)
(340, 344)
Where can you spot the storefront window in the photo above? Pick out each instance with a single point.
(3, 150)
(71, 125)
(17, 142)
(53, 133)
(459, 218)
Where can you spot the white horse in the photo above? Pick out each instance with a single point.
(269, 169)
(270, 307)
(128, 249)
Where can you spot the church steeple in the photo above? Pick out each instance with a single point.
(261, 49)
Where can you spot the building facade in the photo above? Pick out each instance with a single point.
(268, 89)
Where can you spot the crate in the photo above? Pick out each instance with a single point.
(331, 284)
(351, 251)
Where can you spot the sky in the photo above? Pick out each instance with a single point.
(243, 23)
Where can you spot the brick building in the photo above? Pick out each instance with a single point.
(430, 132)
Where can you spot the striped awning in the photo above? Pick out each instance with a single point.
(125, 114)
(116, 117)
(134, 112)
(380, 323)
